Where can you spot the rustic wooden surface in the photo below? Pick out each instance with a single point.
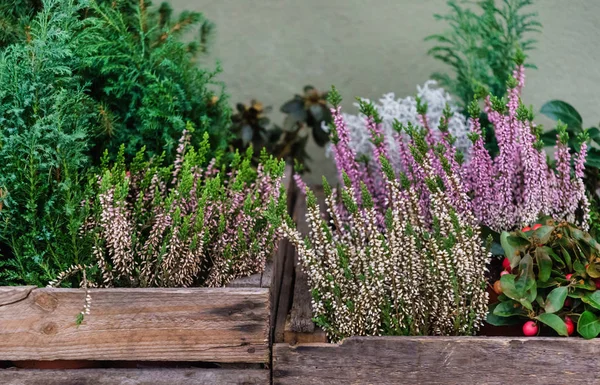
(283, 275)
(440, 360)
(197, 324)
(293, 337)
(301, 314)
(135, 377)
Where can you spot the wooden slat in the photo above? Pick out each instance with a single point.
(440, 360)
(135, 377)
(10, 294)
(283, 273)
(196, 324)
(301, 314)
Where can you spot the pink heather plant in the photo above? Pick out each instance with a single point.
(182, 225)
(512, 190)
(518, 186)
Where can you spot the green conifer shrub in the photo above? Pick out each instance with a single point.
(148, 81)
(45, 117)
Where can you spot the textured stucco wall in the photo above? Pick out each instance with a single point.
(269, 49)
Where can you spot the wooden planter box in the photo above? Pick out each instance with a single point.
(194, 335)
(223, 326)
(439, 360)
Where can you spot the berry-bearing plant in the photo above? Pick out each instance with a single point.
(420, 273)
(552, 273)
(182, 225)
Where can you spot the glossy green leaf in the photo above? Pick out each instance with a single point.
(588, 325)
(563, 111)
(543, 233)
(507, 282)
(526, 278)
(579, 268)
(496, 320)
(556, 299)
(555, 322)
(544, 263)
(592, 299)
(507, 309)
(512, 245)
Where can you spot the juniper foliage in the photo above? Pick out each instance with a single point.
(45, 117)
(479, 46)
(148, 81)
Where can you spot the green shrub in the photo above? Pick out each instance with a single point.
(45, 116)
(148, 80)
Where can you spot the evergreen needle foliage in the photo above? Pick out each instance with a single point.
(479, 47)
(45, 116)
(148, 81)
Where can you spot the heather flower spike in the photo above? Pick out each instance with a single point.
(519, 186)
(404, 255)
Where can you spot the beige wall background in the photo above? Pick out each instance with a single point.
(269, 49)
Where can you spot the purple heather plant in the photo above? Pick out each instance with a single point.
(182, 225)
(519, 186)
(506, 192)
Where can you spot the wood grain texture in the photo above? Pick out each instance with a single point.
(283, 274)
(10, 294)
(301, 313)
(135, 377)
(440, 360)
(196, 324)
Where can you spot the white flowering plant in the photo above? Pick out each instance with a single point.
(421, 273)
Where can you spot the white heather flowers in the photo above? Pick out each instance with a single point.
(422, 273)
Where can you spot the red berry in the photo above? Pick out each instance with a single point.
(568, 277)
(597, 282)
(504, 272)
(536, 226)
(526, 229)
(568, 302)
(570, 325)
(506, 264)
(530, 328)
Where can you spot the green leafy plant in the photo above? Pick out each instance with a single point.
(480, 46)
(148, 81)
(251, 126)
(45, 120)
(552, 275)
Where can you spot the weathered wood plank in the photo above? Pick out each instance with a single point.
(135, 377)
(440, 360)
(10, 294)
(283, 275)
(195, 324)
(293, 337)
(301, 314)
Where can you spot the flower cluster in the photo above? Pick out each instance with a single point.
(518, 186)
(405, 111)
(183, 225)
(419, 273)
